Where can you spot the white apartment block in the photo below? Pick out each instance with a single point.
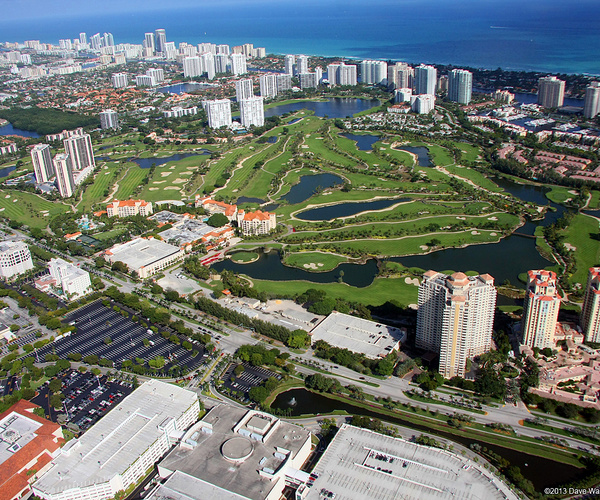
(208, 64)
(73, 281)
(64, 134)
(218, 113)
(109, 119)
(252, 112)
(308, 80)
(400, 75)
(455, 318)
(116, 452)
(460, 86)
(551, 92)
(15, 258)
(541, 307)
(157, 73)
(268, 85)
(289, 61)
(6, 150)
(79, 149)
(373, 72)
(64, 175)
(591, 105)
(243, 89)
(120, 80)
(403, 95)
(145, 81)
(129, 208)
(341, 74)
(301, 64)
(192, 67)
(284, 82)
(42, 163)
(238, 64)
(178, 112)
(221, 63)
(254, 223)
(590, 312)
(422, 103)
(425, 79)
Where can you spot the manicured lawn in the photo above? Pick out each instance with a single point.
(130, 181)
(582, 233)
(377, 293)
(560, 194)
(109, 234)
(440, 155)
(595, 201)
(244, 257)
(470, 152)
(95, 193)
(475, 177)
(314, 261)
(29, 208)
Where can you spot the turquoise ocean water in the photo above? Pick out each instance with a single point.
(550, 36)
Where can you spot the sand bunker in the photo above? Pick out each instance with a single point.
(159, 182)
(172, 188)
(568, 246)
(152, 189)
(475, 232)
(423, 247)
(411, 281)
(493, 218)
(165, 174)
(180, 181)
(493, 234)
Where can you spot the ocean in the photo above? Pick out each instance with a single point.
(539, 35)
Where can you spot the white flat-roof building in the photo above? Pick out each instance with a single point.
(15, 258)
(42, 163)
(374, 340)
(145, 256)
(218, 112)
(74, 281)
(117, 452)
(362, 464)
(235, 453)
(252, 111)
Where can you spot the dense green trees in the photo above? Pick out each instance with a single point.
(47, 120)
(319, 382)
(355, 361)
(217, 220)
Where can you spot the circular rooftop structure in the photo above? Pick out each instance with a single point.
(237, 449)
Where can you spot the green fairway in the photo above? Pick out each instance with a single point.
(475, 177)
(28, 208)
(130, 181)
(561, 194)
(314, 261)
(377, 293)
(583, 234)
(243, 257)
(97, 191)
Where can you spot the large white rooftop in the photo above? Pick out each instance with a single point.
(109, 447)
(361, 464)
(358, 335)
(141, 252)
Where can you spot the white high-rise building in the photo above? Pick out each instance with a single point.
(120, 80)
(425, 79)
(223, 49)
(192, 67)
(108, 40)
(158, 74)
(268, 85)
(308, 80)
(455, 318)
(74, 281)
(42, 163)
(284, 82)
(15, 258)
(341, 74)
(64, 175)
(144, 81)
(218, 112)
(540, 310)
(289, 61)
(301, 64)
(170, 52)
(551, 92)
(160, 40)
(422, 103)
(221, 63)
(238, 64)
(243, 89)
(590, 312)
(208, 64)
(96, 41)
(591, 105)
(252, 112)
(403, 95)
(149, 42)
(79, 149)
(460, 86)
(82, 38)
(373, 72)
(109, 119)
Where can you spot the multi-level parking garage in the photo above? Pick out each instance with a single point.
(95, 323)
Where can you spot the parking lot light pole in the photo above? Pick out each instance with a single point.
(66, 409)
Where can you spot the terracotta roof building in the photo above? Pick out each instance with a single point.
(128, 208)
(28, 443)
(256, 222)
(541, 307)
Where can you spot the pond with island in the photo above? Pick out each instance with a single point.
(334, 107)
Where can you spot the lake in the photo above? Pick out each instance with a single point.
(307, 186)
(10, 130)
(6, 170)
(423, 156)
(269, 267)
(540, 471)
(347, 209)
(148, 162)
(181, 88)
(364, 142)
(335, 107)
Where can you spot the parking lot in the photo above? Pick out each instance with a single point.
(95, 323)
(252, 376)
(88, 398)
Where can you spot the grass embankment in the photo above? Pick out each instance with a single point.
(562, 432)
(28, 208)
(474, 176)
(97, 191)
(423, 399)
(560, 194)
(314, 261)
(437, 422)
(244, 257)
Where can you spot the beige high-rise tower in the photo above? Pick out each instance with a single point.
(541, 307)
(455, 318)
(590, 312)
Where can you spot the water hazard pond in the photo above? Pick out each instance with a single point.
(347, 209)
(540, 471)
